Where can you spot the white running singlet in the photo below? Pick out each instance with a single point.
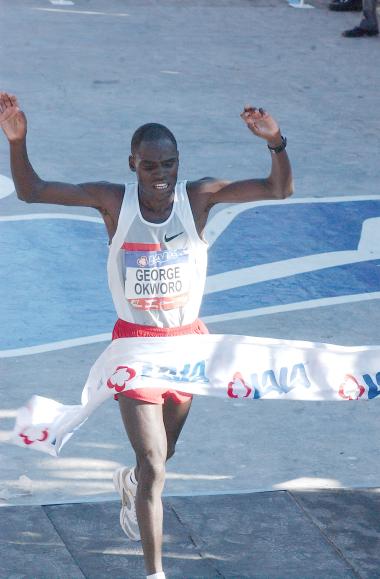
(157, 271)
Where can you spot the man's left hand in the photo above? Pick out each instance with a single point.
(262, 124)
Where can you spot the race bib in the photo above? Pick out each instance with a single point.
(156, 278)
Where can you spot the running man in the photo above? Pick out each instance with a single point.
(157, 284)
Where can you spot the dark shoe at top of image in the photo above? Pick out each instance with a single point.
(345, 5)
(358, 32)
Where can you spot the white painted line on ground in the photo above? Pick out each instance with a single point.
(218, 222)
(85, 12)
(299, 4)
(62, 2)
(292, 307)
(31, 216)
(217, 225)
(222, 219)
(110, 497)
(323, 302)
(368, 249)
(9, 413)
(52, 346)
(281, 269)
(6, 186)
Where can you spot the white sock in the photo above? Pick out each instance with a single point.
(132, 477)
(160, 575)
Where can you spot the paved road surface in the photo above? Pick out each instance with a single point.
(87, 76)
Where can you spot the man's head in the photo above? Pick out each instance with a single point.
(154, 159)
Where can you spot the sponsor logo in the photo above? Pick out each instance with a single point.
(30, 437)
(160, 303)
(351, 389)
(120, 378)
(238, 388)
(189, 373)
(158, 258)
(261, 384)
(167, 239)
(373, 384)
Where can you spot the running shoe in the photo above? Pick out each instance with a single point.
(127, 492)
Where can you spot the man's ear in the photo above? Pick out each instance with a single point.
(132, 165)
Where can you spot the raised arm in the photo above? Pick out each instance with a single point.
(278, 185)
(105, 197)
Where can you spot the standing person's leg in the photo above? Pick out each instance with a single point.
(146, 431)
(369, 25)
(153, 431)
(369, 21)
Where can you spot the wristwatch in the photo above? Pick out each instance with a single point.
(279, 148)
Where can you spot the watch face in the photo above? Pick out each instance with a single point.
(280, 147)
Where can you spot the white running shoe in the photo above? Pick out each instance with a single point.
(127, 492)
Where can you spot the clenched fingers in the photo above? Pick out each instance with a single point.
(253, 113)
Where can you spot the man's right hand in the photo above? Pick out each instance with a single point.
(12, 119)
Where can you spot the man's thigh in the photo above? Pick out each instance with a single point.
(145, 427)
(175, 415)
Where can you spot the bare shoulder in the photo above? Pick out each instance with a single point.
(106, 196)
(104, 190)
(206, 185)
(201, 197)
(201, 192)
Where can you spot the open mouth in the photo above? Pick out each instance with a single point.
(161, 186)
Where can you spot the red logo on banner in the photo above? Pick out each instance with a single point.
(120, 377)
(238, 388)
(350, 389)
(27, 440)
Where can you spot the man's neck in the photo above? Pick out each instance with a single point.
(156, 209)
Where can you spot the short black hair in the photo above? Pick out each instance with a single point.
(151, 132)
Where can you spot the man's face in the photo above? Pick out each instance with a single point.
(156, 166)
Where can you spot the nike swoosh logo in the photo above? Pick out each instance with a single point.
(172, 236)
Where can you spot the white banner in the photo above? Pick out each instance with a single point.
(226, 366)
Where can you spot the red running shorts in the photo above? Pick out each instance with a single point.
(125, 329)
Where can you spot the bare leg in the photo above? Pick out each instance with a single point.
(145, 428)
(153, 431)
(174, 419)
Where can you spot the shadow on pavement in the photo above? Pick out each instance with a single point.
(332, 533)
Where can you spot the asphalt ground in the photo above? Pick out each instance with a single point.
(261, 535)
(87, 75)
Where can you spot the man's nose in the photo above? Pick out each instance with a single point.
(160, 172)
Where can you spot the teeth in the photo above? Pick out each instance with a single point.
(161, 186)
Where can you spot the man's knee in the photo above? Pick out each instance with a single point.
(151, 469)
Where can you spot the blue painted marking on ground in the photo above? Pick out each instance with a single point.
(55, 284)
(331, 282)
(273, 233)
(54, 271)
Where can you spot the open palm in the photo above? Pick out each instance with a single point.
(12, 120)
(260, 123)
